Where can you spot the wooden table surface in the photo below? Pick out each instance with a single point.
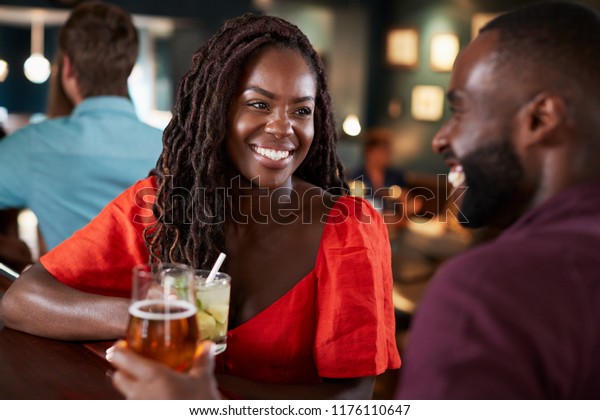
(39, 368)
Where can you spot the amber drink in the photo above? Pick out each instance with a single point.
(162, 315)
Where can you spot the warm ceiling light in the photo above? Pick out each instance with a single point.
(351, 125)
(3, 70)
(37, 67)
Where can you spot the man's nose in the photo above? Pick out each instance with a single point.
(440, 140)
(280, 127)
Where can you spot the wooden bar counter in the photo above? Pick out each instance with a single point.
(38, 368)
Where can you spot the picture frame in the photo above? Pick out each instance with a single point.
(444, 48)
(402, 47)
(427, 102)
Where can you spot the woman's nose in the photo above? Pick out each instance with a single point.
(280, 127)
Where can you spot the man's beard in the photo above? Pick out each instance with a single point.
(493, 176)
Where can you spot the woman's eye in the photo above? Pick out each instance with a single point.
(305, 112)
(258, 105)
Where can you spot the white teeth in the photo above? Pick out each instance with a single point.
(456, 177)
(272, 154)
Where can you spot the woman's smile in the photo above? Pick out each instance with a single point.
(272, 154)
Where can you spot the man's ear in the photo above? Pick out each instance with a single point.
(68, 71)
(539, 118)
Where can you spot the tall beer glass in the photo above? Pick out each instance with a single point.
(162, 315)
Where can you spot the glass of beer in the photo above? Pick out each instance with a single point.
(162, 315)
(212, 300)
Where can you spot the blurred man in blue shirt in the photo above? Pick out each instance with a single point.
(67, 169)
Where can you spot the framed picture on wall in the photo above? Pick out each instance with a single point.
(427, 102)
(402, 47)
(443, 51)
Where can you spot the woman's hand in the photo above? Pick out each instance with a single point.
(140, 378)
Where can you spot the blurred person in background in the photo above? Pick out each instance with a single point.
(517, 318)
(382, 184)
(67, 169)
(377, 175)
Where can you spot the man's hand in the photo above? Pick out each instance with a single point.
(140, 378)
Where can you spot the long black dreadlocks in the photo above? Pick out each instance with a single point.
(192, 164)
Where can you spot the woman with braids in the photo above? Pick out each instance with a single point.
(248, 168)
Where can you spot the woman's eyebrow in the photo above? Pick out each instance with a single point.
(271, 95)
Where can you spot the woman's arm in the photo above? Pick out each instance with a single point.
(330, 389)
(39, 304)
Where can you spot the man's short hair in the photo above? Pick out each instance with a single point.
(102, 45)
(553, 42)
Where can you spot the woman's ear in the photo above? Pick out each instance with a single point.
(539, 118)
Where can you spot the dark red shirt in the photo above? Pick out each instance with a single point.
(517, 318)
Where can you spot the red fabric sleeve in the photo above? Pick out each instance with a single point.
(99, 257)
(355, 334)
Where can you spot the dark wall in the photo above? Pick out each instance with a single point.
(17, 93)
(413, 137)
(211, 13)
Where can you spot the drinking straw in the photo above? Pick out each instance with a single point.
(218, 264)
(8, 272)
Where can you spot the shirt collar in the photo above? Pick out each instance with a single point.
(104, 103)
